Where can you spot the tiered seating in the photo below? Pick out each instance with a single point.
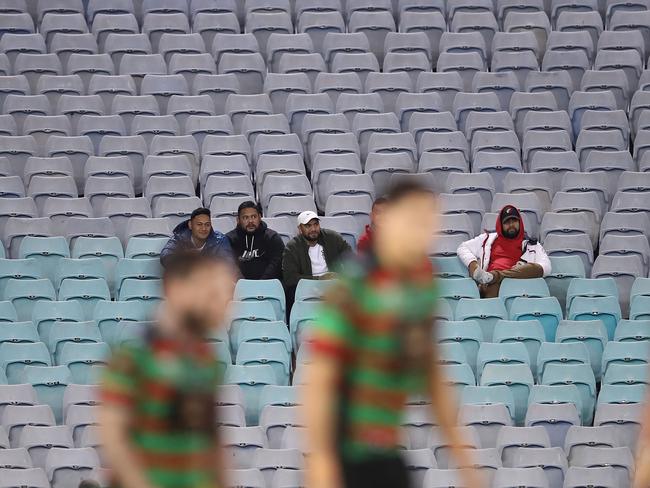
(117, 119)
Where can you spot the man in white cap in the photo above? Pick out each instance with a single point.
(313, 253)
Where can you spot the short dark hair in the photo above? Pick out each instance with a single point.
(249, 204)
(182, 264)
(379, 201)
(405, 187)
(200, 211)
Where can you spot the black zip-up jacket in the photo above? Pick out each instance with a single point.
(258, 255)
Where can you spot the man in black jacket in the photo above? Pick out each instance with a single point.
(257, 249)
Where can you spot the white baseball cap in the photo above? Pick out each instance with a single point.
(306, 216)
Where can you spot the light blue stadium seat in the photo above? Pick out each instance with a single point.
(530, 333)
(453, 290)
(17, 332)
(531, 288)
(262, 290)
(87, 292)
(7, 312)
(77, 332)
(110, 315)
(45, 314)
(46, 251)
(222, 354)
(492, 353)
(468, 334)
(443, 311)
(15, 357)
(606, 309)
(279, 396)
(248, 311)
(640, 309)
(486, 311)
(562, 353)
(580, 375)
(265, 333)
(302, 316)
(449, 267)
(625, 353)
(251, 379)
(517, 377)
(640, 287)
(18, 269)
(131, 332)
(108, 249)
(563, 270)
(632, 330)
(592, 288)
(626, 374)
(450, 353)
(81, 358)
(25, 294)
(145, 247)
(556, 394)
(50, 383)
(312, 290)
(80, 269)
(147, 292)
(591, 333)
(625, 418)
(622, 394)
(137, 269)
(546, 310)
(274, 354)
(458, 376)
(489, 395)
(275, 420)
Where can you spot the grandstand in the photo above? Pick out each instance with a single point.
(120, 117)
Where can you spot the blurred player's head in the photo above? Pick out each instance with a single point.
(408, 223)
(200, 225)
(197, 291)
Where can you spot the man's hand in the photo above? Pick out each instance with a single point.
(328, 276)
(473, 478)
(482, 277)
(323, 471)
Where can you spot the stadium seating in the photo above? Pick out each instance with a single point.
(118, 118)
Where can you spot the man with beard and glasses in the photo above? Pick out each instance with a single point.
(506, 253)
(157, 417)
(372, 347)
(257, 249)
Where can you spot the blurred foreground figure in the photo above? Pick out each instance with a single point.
(642, 464)
(158, 413)
(372, 347)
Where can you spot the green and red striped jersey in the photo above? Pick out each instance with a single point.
(170, 388)
(379, 325)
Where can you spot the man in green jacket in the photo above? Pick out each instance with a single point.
(313, 253)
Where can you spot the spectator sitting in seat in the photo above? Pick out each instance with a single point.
(197, 234)
(313, 253)
(256, 248)
(365, 241)
(506, 253)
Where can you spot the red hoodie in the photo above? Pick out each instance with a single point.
(365, 241)
(506, 252)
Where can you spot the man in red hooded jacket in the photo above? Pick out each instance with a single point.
(506, 253)
(365, 241)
